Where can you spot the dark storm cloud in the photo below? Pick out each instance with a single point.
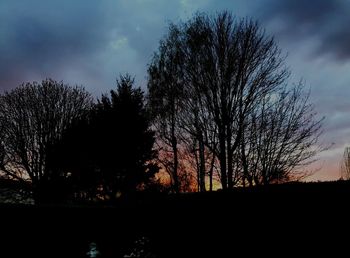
(323, 21)
(42, 37)
(79, 41)
(304, 12)
(87, 42)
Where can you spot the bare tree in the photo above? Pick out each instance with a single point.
(32, 119)
(345, 164)
(281, 137)
(179, 122)
(199, 161)
(165, 93)
(226, 66)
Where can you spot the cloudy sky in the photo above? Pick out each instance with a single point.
(91, 42)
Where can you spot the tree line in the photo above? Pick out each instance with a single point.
(66, 146)
(219, 112)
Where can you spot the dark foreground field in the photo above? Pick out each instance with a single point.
(282, 219)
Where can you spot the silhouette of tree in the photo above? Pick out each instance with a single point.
(345, 164)
(281, 136)
(32, 119)
(73, 157)
(165, 91)
(222, 67)
(111, 153)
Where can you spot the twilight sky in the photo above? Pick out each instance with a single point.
(91, 42)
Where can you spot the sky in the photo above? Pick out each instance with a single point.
(92, 42)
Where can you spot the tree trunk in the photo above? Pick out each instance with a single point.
(176, 164)
(202, 164)
(211, 180)
(222, 159)
(211, 174)
(229, 158)
(175, 150)
(244, 163)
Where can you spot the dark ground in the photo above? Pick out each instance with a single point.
(282, 220)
